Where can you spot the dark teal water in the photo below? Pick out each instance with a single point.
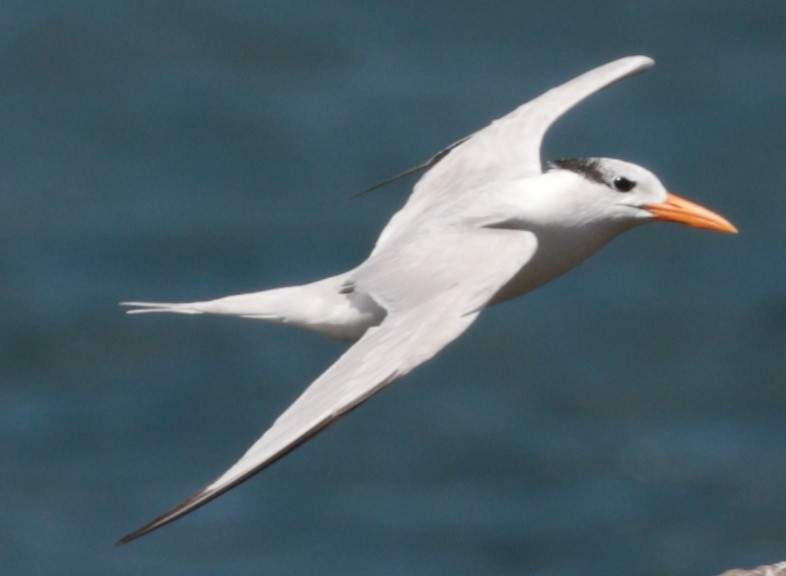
(628, 419)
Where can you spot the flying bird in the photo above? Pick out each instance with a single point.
(484, 224)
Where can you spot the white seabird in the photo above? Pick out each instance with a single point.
(483, 225)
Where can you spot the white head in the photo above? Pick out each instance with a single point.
(620, 195)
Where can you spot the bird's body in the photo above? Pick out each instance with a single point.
(483, 225)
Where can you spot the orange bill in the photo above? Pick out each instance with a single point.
(676, 209)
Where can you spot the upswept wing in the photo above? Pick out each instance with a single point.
(430, 303)
(510, 143)
(515, 139)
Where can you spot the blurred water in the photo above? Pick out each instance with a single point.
(628, 419)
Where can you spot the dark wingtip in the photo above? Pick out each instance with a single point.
(199, 499)
(422, 166)
(127, 538)
(390, 180)
(146, 529)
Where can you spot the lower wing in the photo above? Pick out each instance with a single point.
(406, 338)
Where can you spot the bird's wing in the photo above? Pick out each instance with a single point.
(432, 296)
(509, 145)
(515, 139)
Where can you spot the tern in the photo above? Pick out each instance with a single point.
(483, 225)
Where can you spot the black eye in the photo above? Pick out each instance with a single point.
(622, 184)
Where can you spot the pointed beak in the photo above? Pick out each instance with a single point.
(676, 209)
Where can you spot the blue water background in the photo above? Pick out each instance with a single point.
(628, 419)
